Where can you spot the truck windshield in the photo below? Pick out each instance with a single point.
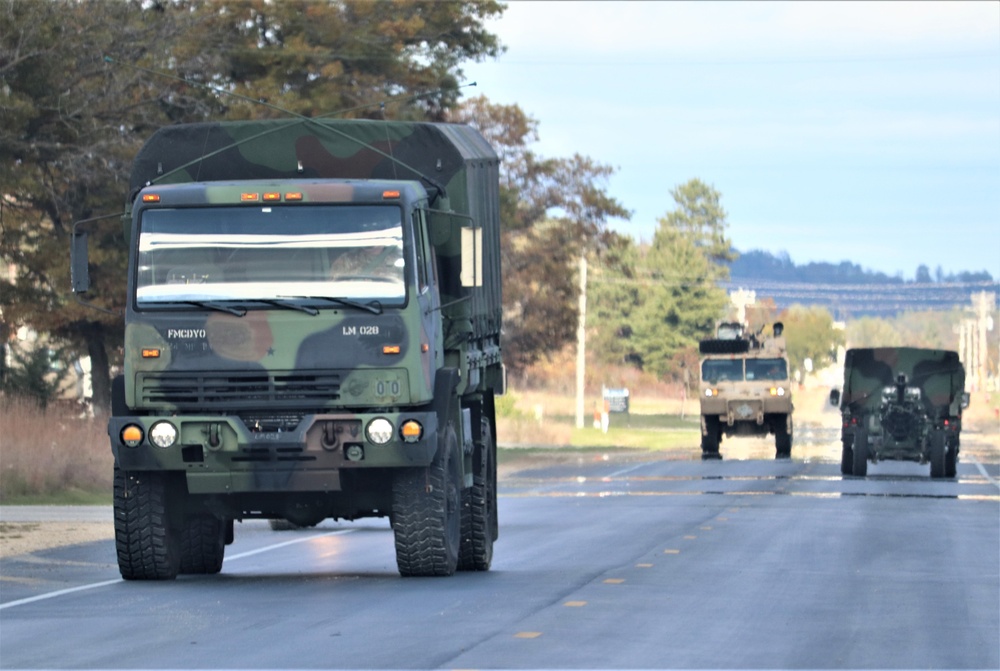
(271, 252)
(722, 370)
(767, 369)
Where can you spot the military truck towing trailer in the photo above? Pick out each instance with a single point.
(745, 389)
(901, 403)
(312, 331)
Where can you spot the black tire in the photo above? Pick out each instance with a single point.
(939, 454)
(951, 461)
(427, 512)
(711, 438)
(479, 507)
(782, 438)
(860, 449)
(282, 525)
(846, 457)
(203, 545)
(145, 541)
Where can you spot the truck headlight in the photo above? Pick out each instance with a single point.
(163, 434)
(379, 431)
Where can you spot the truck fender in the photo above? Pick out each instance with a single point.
(445, 403)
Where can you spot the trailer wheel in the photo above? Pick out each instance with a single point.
(711, 438)
(145, 542)
(427, 511)
(203, 544)
(479, 507)
(860, 450)
(939, 454)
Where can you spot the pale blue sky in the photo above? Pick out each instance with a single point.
(858, 131)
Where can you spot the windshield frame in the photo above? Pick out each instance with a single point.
(171, 227)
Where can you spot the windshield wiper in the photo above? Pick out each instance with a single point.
(238, 311)
(287, 304)
(372, 306)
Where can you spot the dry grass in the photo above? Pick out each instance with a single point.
(52, 452)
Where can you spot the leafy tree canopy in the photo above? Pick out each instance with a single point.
(810, 334)
(75, 107)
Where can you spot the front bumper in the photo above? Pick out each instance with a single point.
(220, 454)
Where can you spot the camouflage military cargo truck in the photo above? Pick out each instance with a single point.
(312, 332)
(745, 389)
(901, 403)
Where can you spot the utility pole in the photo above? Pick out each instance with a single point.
(581, 338)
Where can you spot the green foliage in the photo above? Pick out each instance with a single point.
(79, 97)
(810, 334)
(37, 374)
(554, 210)
(655, 303)
(699, 217)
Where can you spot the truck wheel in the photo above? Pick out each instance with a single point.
(203, 544)
(711, 438)
(427, 511)
(846, 457)
(782, 438)
(951, 461)
(146, 544)
(479, 508)
(860, 450)
(939, 454)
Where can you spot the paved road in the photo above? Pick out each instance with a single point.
(604, 561)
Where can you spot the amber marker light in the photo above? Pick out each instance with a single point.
(150, 354)
(271, 197)
(411, 431)
(150, 198)
(132, 435)
(293, 195)
(390, 194)
(250, 197)
(390, 349)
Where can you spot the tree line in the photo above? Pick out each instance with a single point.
(85, 82)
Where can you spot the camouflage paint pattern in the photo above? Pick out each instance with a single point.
(900, 396)
(278, 400)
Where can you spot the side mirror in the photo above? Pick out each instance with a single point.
(472, 257)
(965, 399)
(79, 262)
(835, 397)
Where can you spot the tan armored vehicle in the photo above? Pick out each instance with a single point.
(745, 389)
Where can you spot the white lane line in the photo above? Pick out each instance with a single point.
(104, 583)
(984, 473)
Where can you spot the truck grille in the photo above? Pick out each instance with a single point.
(208, 391)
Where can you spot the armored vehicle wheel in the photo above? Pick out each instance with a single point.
(939, 454)
(782, 438)
(146, 545)
(427, 511)
(860, 449)
(479, 508)
(711, 438)
(203, 544)
(846, 457)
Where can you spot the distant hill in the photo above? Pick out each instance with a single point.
(848, 290)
